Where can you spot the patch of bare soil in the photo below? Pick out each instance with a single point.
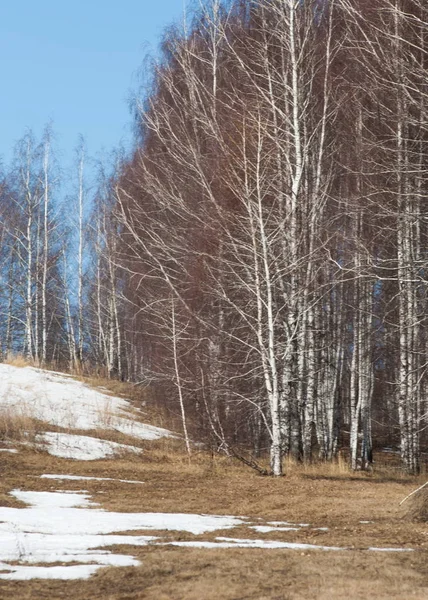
(359, 511)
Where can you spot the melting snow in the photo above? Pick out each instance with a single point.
(242, 543)
(57, 399)
(20, 573)
(62, 527)
(391, 549)
(57, 513)
(286, 523)
(45, 500)
(82, 478)
(82, 447)
(268, 529)
(67, 527)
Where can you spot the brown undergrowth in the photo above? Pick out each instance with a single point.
(415, 506)
(18, 426)
(354, 511)
(359, 511)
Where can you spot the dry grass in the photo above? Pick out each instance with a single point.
(140, 398)
(339, 467)
(323, 496)
(360, 510)
(185, 574)
(416, 506)
(17, 425)
(18, 360)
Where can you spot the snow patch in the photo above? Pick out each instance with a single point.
(268, 529)
(20, 573)
(67, 527)
(64, 527)
(277, 524)
(82, 447)
(46, 500)
(391, 549)
(224, 542)
(57, 513)
(83, 478)
(57, 399)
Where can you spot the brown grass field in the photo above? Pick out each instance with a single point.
(322, 495)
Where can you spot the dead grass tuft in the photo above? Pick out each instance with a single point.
(337, 468)
(360, 510)
(416, 506)
(18, 426)
(18, 360)
(141, 398)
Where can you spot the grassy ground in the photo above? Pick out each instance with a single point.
(324, 496)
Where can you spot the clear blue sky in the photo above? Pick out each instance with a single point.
(75, 63)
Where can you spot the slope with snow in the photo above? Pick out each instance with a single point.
(81, 447)
(67, 527)
(57, 399)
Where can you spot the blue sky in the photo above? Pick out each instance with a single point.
(75, 63)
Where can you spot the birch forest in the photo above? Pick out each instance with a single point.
(259, 261)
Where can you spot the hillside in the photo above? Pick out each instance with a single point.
(63, 407)
(143, 522)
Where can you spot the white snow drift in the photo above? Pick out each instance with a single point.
(85, 478)
(60, 400)
(81, 447)
(57, 399)
(62, 527)
(67, 527)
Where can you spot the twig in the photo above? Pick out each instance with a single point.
(251, 463)
(414, 492)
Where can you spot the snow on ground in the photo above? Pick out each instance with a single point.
(390, 549)
(21, 573)
(287, 524)
(83, 478)
(57, 399)
(81, 447)
(62, 527)
(59, 513)
(61, 499)
(268, 529)
(224, 542)
(67, 527)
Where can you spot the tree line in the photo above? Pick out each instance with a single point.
(57, 278)
(259, 260)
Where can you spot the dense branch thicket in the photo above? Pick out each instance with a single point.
(261, 259)
(273, 226)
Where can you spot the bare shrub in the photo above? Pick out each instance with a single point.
(416, 505)
(17, 426)
(18, 360)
